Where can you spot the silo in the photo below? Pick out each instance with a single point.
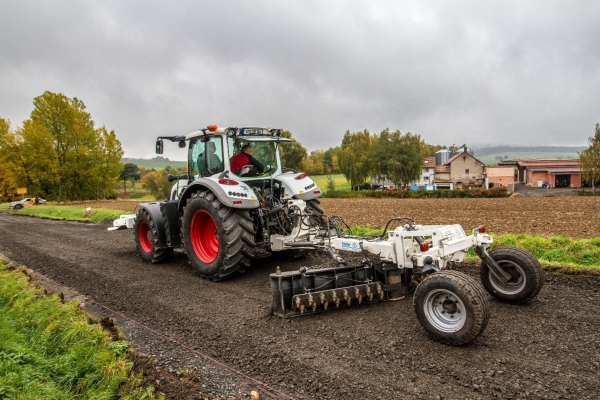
(441, 156)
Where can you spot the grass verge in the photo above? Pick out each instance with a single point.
(51, 350)
(71, 213)
(555, 253)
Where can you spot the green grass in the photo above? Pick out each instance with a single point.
(556, 253)
(340, 181)
(51, 350)
(71, 213)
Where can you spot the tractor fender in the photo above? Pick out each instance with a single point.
(299, 186)
(234, 196)
(154, 210)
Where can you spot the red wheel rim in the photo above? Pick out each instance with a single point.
(143, 230)
(204, 236)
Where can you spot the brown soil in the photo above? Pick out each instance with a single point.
(571, 216)
(224, 335)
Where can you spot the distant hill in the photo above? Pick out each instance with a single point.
(157, 162)
(491, 155)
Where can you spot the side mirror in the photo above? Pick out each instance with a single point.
(181, 145)
(159, 146)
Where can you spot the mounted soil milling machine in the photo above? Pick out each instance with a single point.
(222, 211)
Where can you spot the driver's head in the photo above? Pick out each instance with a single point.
(212, 147)
(247, 149)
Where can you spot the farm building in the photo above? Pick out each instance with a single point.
(461, 171)
(551, 173)
(500, 176)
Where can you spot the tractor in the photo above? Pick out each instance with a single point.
(221, 212)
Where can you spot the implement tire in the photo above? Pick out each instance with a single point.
(452, 307)
(526, 272)
(146, 239)
(218, 240)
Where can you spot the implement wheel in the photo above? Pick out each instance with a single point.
(526, 275)
(452, 307)
(217, 239)
(146, 239)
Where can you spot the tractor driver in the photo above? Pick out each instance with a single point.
(244, 157)
(213, 161)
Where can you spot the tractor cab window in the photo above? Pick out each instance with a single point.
(206, 158)
(262, 151)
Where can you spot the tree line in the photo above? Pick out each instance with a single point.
(59, 152)
(392, 156)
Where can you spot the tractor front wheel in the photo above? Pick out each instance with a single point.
(146, 239)
(217, 239)
(452, 307)
(526, 275)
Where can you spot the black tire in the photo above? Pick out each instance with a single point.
(527, 277)
(217, 239)
(146, 239)
(452, 307)
(315, 206)
(18, 206)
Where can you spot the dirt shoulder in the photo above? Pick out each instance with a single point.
(225, 335)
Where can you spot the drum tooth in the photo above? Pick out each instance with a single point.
(347, 297)
(358, 295)
(335, 299)
(323, 301)
(369, 293)
(312, 303)
(379, 291)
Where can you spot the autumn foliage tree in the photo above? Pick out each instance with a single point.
(59, 151)
(590, 160)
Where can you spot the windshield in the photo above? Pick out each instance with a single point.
(263, 151)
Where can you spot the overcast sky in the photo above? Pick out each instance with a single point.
(454, 72)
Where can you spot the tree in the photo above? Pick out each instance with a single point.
(590, 160)
(27, 156)
(330, 161)
(399, 157)
(59, 151)
(107, 156)
(354, 157)
(158, 184)
(130, 172)
(292, 153)
(72, 131)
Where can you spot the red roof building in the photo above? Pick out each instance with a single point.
(550, 173)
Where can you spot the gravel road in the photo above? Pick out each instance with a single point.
(547, 349)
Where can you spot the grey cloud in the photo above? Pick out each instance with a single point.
(453, 72)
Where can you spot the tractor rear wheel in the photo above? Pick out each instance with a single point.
(146, 239)
(452, 307)
(526, 275)
(217, 239)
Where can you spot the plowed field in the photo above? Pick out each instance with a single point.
(571, 216)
